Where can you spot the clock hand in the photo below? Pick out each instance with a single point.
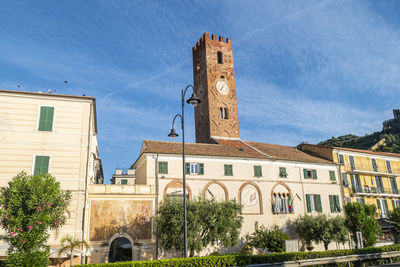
(208, 190)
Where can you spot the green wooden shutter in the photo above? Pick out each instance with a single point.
(337, 202)
(46, 119)
(363, 201)
(379, 205)
(386, 207)
(318, 202)
(332, 176)
(314, 174)
(353, 184)
(201, 166)
(305, 174)
(163, 167)
(308, 203)
(41, 165)
(187, 168)
(257, 171)
(230, 170)
(332, 203)
(124, 181)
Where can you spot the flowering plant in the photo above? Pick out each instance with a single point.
(31, 206)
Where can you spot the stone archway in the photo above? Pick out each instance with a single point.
(120, 248)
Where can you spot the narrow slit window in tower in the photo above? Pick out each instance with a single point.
(220, 58)
(223, 113)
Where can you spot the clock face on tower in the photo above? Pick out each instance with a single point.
(222, 87)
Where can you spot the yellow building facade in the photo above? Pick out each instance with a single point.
(367, 177)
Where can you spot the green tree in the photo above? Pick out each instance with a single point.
(273, 239)
(321, 228)
(362, 218)
(68, 243)
(31, 206)
(395, 217)
(307, 229)
(208, 222)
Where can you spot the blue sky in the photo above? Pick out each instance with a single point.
(305, 70)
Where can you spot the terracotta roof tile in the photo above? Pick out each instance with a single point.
(232, 148)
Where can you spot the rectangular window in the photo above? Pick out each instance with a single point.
(46, 119)
(383, 207)
(341, 159)
(194, 168)
(313, 203)
(124, 181)
(360, 200)
(352, 163)
(356, 183)
(334, 203)
(310, 174)
(393, 184)
(257, 171)
(228, 170)
(379, 185)
(41, 165)
(332, 176)
(389, 166)
(163, 167)
(374, 166)
(345, 180)
(223, 113)
(282, 172)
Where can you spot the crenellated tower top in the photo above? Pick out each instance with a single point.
(214, 82)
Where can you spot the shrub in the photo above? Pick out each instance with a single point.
(31, 206)
(273, 239)
(241, 259)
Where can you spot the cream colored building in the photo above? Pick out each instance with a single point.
(275, 184)
(42, 132)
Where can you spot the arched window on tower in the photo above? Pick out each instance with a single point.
(223, 113)
(220, 57)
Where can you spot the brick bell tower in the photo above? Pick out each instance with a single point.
(214, 82)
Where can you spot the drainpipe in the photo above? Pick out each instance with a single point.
(86, 181)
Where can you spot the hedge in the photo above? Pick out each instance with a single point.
(241, 259)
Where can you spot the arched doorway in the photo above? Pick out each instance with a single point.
(120, 250)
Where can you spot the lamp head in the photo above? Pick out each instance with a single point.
(193, 100)
(173, 133)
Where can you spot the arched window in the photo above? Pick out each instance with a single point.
(223, 113)
(281, 199)
(220, 57)
(282, 203)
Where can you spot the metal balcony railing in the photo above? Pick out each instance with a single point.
(369, 168)
(376, 190)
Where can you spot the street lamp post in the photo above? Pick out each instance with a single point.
(194, 101)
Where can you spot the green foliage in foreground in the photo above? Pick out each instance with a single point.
(242, 260)
(31, 207)
(362, 218)
(210, 222)
(273, 239)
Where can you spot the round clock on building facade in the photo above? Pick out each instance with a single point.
(249, 196)
(222, 87)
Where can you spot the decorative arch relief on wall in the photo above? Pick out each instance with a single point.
(215, 190)
(174, 190)
(281, 199)
(250, 198)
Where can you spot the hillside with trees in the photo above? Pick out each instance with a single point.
(386, 140)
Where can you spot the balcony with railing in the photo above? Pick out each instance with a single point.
(367, 168)
(375, 191)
